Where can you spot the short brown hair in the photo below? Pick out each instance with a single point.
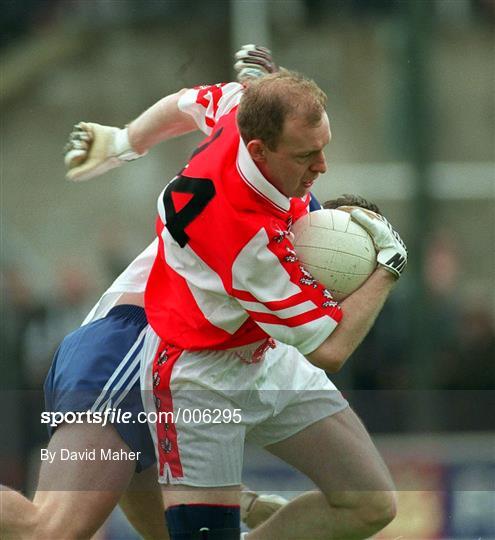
(351, 200)
(268, 101)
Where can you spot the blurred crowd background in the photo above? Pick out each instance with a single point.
(411, 87)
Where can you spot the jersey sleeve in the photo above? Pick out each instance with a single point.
(280, 295)
(207, 104)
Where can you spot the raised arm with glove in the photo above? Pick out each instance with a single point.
(93, 149)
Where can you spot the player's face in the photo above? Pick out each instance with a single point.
(298, 160)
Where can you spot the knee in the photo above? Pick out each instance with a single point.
(368, 511)
(377, 509)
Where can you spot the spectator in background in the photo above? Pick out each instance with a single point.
(71, 302)
(31, 331)
(464, 329)
(19, 309)
(475, 350)
(441, 273)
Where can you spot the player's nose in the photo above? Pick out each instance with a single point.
(320, 164)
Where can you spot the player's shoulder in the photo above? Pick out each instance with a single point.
(209, 103)
(212, 94)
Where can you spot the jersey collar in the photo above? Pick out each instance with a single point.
(252, 176)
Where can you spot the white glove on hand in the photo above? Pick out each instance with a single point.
(253, 62)
(256, 509)
(391, 250)
(94, 149)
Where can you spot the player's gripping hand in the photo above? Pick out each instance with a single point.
(391, 250)
(93, 149)
(256, 509)
(253, 62)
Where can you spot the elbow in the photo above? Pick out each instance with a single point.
(332, 354)
(331, 362)
(334, 364)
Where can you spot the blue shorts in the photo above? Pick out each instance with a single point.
(97, 367)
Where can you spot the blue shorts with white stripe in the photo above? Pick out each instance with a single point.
(96, 368)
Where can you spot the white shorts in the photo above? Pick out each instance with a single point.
(210, 402)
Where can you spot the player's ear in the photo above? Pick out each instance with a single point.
(257, 150)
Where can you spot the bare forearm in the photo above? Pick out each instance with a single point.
(160, 122)
(360, 310)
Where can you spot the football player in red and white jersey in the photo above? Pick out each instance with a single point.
(225, 283)
(248, 190)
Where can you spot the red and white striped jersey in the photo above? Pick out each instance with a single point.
(226, 273)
